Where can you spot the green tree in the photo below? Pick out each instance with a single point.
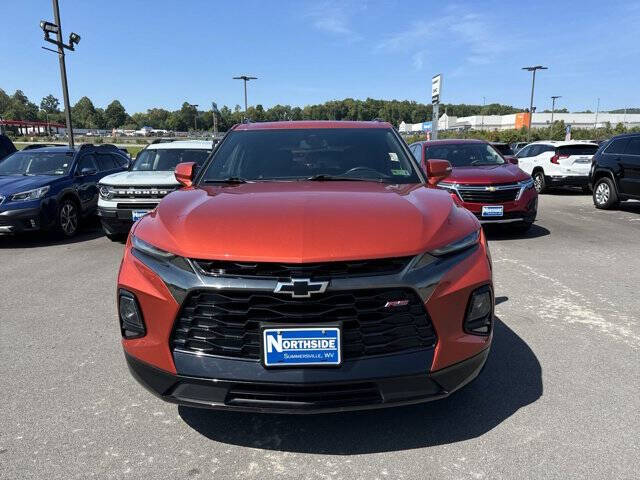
(115, 114)
(83, 113)
(50, 104)
(20, 108)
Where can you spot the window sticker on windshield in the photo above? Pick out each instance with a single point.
(403, 173)
(65, 165)
(393, 156)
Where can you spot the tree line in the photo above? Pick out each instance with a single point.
(86, 115)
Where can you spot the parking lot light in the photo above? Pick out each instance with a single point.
(533, 86)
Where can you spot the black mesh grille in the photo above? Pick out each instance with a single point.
(303, 396)
(486, 196)
(352, 268)
(227, 323)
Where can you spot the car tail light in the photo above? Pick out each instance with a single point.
(479, 316)
(131, 322)
(556, 158)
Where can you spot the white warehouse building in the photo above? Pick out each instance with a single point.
(514, 120)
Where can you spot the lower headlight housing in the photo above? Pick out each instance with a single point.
(479, 316)
(131, 321)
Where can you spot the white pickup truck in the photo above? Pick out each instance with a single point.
(127, 196)
(553, 163)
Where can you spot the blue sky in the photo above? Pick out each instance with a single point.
(161, 53)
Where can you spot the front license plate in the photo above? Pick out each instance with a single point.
(290, 347)
(138, 214)
(492, 211)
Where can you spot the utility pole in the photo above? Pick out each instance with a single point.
(214, 110)
(533, 86)
(245, 78)
(553, 105)
(595, 125)
(195, 118)
(484, 101)
(56, 28)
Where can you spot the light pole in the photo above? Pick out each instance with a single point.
(214, 110)
(553, 105)
(245, 78)
(55, 28)
(195, 118)
(595, 125)
(533, 86)
(484, 101)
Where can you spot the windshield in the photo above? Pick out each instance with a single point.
(32, 162)
(577, 150)
(166, 159)
(465, 154)
(312, 154)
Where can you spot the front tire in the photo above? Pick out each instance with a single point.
(68, 218)
(605, 196)
(539, 181)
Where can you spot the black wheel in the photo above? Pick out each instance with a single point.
(539, 181)
(68, 218)
(604, 194)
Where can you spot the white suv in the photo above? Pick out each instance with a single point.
(127, 196)
(557, 163)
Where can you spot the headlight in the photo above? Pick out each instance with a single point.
(106, 192)
(452, 187)
(30, 194)
(457, 246)
(150, 250)
(526, 184)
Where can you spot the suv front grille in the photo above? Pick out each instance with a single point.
(303, 396)
(483, 194)
(150, 192)
(227, 322)
(351, 268)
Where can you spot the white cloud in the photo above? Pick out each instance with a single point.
(335, 17)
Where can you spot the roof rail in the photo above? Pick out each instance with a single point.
(40, 145)
(162, 140)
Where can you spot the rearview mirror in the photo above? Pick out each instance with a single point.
(513, 160)
(437, 170)
(185, 173)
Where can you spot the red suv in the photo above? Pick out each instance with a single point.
(488, 184)
(306, 267)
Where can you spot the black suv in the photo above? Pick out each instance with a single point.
(615, 171)
(6, 146)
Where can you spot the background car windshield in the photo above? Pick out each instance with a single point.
(465, 154)
(166, 159)
(374, 154)
(36, 163)
(503, 148)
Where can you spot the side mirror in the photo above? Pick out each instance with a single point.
(437, 170)
(510, 159)
(185, 173)
(88, 171)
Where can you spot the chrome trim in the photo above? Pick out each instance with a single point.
(458, 187)
(322, 287)
(6, 229)
(1, 199)
(507, 220)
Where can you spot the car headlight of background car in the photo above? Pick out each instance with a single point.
(106, 192)
(34, 194)
(524, 186)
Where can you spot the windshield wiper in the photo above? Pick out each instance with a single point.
(227, 180)
(336, 178)
(479, 162)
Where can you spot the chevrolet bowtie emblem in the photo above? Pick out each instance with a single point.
(492, 189)
(300, 288)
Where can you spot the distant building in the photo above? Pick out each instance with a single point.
(519, 120)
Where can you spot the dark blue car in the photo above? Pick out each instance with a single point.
(54, 187)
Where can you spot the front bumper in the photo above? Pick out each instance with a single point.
(524, 210)
(311, 393)
(21, 220)
(115, 221)
(409, 376)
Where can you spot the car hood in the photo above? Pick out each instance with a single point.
(487, 175)
(140, 178)
(10, 184)
(305, 221)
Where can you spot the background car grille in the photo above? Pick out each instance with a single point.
(475, 195)
(141, 192)
(227, 323)
(352, 268)
(136, 205)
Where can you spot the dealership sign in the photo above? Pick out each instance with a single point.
(436, 84)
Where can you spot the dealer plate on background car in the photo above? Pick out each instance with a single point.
(138, 214)
(298, 346)
(492, 211)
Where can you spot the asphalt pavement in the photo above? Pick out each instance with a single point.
(558, 399)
